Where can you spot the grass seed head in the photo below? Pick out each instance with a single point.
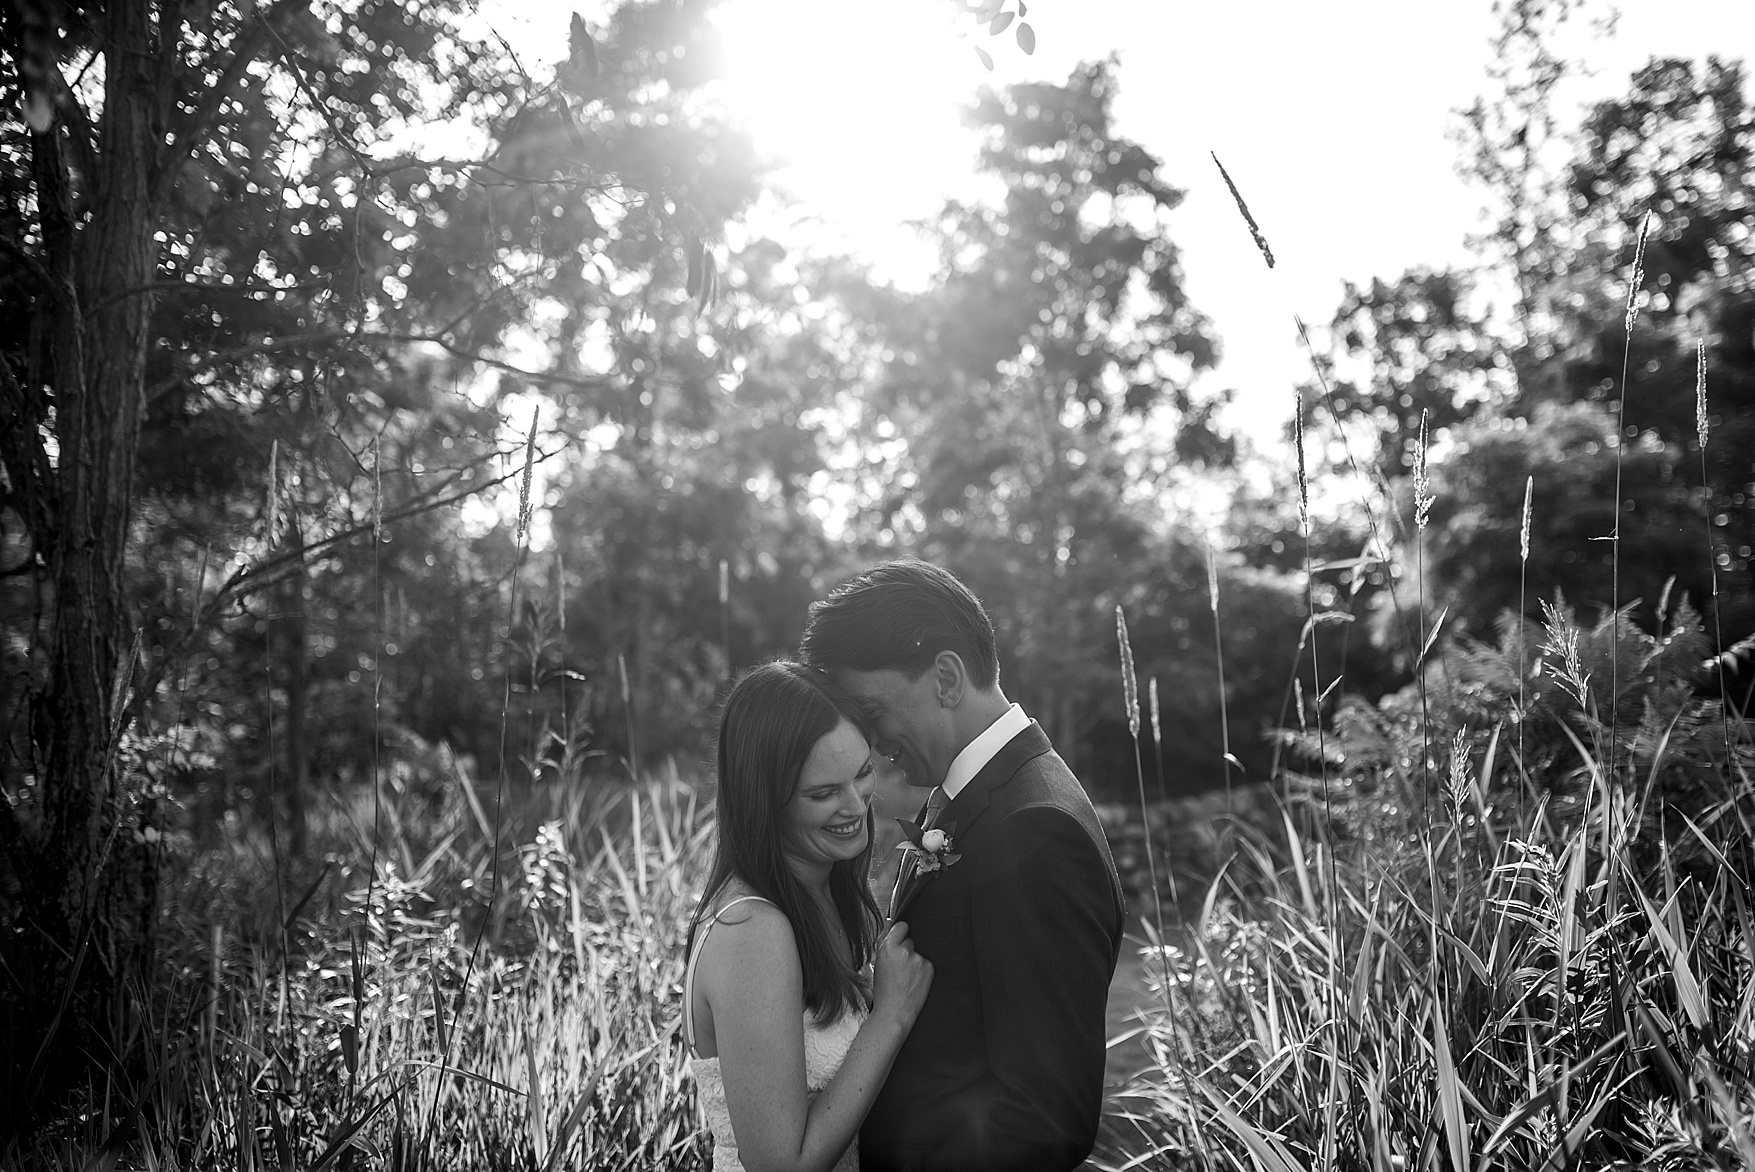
(524, 484)
(1261, 243)
(273, 508)
(1212, 577)
(1458, 781)
(1700, 426)
(1130, 688)
(1152, 704)
(1298, 443)
(1523, 533)
(1638, 277)
(377, 493)
(1422, 481)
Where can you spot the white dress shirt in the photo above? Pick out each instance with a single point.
(981, 750)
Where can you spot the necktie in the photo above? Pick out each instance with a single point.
(936, 802)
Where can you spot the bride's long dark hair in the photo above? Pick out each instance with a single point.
(772, 720)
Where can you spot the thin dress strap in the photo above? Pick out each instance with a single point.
(694, 958)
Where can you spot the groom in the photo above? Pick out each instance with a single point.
(1004, 1067)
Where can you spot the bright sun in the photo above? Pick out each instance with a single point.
(860, 104)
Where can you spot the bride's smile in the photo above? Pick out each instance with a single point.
(829, 817)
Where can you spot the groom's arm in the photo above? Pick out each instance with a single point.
(1042, 921)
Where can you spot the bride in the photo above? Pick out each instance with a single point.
(794, 1005)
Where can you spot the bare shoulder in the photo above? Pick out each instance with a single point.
(749, 936)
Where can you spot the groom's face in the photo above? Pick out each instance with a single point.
(912, 723)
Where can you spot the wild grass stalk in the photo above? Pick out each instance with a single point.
(1423, 501)
(565, 673)
(1219, 662)
(1131, 702)
(633, 759)
(1634, 280)
(521, 536)
(1702, 430)
(1523, 575)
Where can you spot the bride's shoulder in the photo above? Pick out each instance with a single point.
(749, 942)
(737, 908)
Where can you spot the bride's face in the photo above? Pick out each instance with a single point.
(826, 820)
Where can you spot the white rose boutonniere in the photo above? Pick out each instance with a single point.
(932, 849)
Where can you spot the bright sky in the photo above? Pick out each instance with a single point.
(1332, 118)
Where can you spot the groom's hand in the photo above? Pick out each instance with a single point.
(901, 977)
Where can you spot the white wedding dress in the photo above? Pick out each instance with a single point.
(825, 1046)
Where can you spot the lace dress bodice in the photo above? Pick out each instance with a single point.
(825, 1046)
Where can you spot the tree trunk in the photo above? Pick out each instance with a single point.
(89, 902)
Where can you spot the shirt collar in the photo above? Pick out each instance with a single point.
(981, 750)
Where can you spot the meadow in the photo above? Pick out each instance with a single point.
(1463, 939)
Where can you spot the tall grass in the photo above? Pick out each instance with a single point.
(561, 1051)
(1580, 991)
(1479, 983)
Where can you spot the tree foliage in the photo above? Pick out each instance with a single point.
(1539, 392)
(273, 269)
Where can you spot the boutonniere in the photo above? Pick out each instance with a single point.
(931, 848)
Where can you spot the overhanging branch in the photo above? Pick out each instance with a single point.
(248, 580)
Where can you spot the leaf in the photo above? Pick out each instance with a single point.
(581, 49)
(1545, 1097)
(1431, 638)
(1345, 564)
(1026, 35)
(438, 1011)
(709, 280)
(1687, 987)
(986, 60)
(461, 1072)
(589, 1092)
(1268, 1153)
(344, 1137)
(1450, 1094)
(1000, 24)
(350, 1048)
(535, 1109)
(913, 832)
(692, 286)
(293, 916)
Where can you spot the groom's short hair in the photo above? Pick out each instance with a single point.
(897, 617)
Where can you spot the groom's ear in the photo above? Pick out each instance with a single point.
(949, 678)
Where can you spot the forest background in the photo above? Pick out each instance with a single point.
(366, 501)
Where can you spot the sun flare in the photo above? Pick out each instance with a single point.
(860, 105)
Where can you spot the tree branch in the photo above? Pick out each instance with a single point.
(326, 337)
(194, 126)
(249, 580)
(32, 267)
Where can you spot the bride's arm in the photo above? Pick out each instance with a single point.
(755, 990)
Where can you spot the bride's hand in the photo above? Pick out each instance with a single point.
(900, 976)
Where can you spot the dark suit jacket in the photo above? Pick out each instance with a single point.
(1004, 1067)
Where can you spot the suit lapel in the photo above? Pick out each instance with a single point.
(971, 802)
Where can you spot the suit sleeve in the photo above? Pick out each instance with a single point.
(1043, 919)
